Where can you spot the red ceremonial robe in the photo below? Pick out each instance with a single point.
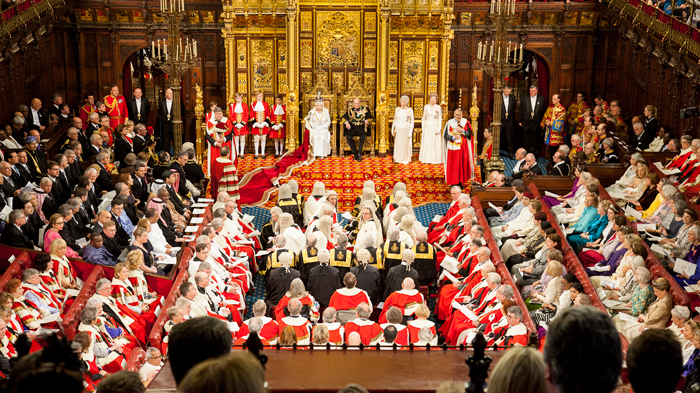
(370, 332)
(459, 166)
(510, 335)
(451, 212)
(239, 118)
(680, 160)
(336, 332)
(307, 300)
(301, 326)
(348, 298)
(416, 325)
(406, 300)
(401, 333)
(260, 115)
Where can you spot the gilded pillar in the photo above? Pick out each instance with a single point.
(199, 127)
(447, 36)
(383, 38)
(230, 47)
(292, 74)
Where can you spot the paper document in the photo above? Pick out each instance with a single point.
(247, 218)
(644, 227)
(618, 195)
(205, 200)
(72, 292)
(263, 253)
(347, 216)
(627, 317)
(632, 213)
(614, 304)
(450, 264)
(197, 220)
(188, 238)
(551, 194)
(437, 218)
(659, 165)
(660, 250)
(684, 267)
(197, 212)
(49, 318)
(82, 242)
(691, 288)
(200, 204)
(167, 261)
(607, 282)
(452, 278)
(6, 212)
(245, 242)
(569, 231)
(492, 206)
(191, 229)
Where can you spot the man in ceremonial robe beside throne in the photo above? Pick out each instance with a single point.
(356, 120)
(219, 134)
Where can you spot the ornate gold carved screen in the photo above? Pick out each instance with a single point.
(386, 48)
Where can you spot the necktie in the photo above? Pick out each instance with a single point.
(16, 171)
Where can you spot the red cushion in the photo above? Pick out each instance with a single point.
(136, 360)
(156, 337)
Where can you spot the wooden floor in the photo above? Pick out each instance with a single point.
(378, 371)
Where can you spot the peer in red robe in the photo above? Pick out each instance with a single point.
(370, 332)
(407, 300)
(219, 134)
(348, 298)
(460, 162)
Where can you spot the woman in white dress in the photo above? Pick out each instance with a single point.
(317, 122)
(432, 144)
(402, 130)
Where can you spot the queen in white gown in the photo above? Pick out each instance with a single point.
(317, 122)
(402, 130)
(432, 144)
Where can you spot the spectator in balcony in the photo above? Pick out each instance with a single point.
(642, 138)
(657, 315)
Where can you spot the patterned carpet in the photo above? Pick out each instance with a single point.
(424, 214)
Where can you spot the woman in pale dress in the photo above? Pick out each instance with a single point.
(318, 122)
(402, 130)
(432, 144)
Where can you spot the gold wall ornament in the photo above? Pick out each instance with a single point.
(392, 87)
(282, 54)
(370, 53)
(393, 55)
(370, 21)
(433, 55)
(199, 125)
(242, 82)
(242, 57)
(418, 108)
(370, 81)
(354, 78)
(208, 17)
(338, 38)
(305, 20)
(281, 83)
(306, 51)
(412, 55)
(432, 83)
(392, 106)
(306, 81)
(262, 65)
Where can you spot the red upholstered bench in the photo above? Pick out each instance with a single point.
(136, 359)
(72, 318)
(187, 254)
(155, 339)
(14, 271)
(25, 260)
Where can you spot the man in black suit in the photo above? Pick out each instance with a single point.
(532, 108)
(71, 230)
(104, 180)
(140, 187)
(111, 242)
(12, 235)
(36, 118)
(180, 203)
(76, 168)
(20, 129)
(140, 138)
(102, 218)
(507, 121)
(193, 171)
(49, 206)
(166, 112)
(530, 165)
(10, 186)
(94, 148)
(25, 175)
(71, 135)
(93, 126)
(60, 192)
(56, 107)
(78, 125)
(121, 234)
(560, 168)
(138, 108)
(178, 166)
(641, 139)
(36, 159)
(64, 117)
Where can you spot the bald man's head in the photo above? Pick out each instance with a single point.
(408, 283)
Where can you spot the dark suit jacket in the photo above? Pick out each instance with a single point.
(535, 169)
(112, 245)
(14, 237)
(122, 237)
(49, 206)
(76, 171)
(9, 189)
(71, 233)
(29, 120)
(139, 190)
(89, 152)
(53, 109)
(179, 206)
(511, 111)
(104, 180)
(641, 142)
(40, 157)
(122, 147)
(91, 128)
(139, 143)
(194, 172)
(20, 133)
(133, 113)
(163, 112)
(60, 192)
(561, 169)
(525, 112)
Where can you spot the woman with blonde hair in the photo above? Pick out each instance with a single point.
(65, 273)
(297, 290)
(520, 370)
(651, 124)
(125, 294)
(56, 224)
(320, 335)
(402, 130)
(134, 261)
(432, 145)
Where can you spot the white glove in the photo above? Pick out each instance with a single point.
(239, 126)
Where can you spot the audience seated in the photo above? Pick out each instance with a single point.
(370, 332)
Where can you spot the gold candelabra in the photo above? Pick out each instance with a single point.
(175, 58)
(499, 60)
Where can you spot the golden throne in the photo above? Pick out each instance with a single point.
(320, 90)
(357, 90)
